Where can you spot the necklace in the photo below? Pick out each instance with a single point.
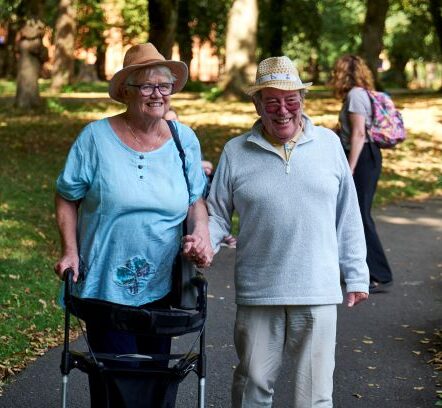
(137, 139)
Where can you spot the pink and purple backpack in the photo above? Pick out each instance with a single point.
(387, 128)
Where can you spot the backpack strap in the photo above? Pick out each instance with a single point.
(179, 146)
(370, 98)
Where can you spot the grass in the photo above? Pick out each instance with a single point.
(33, 149)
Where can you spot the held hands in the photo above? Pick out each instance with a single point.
(198, 250)
(353, 298)
(67, 261)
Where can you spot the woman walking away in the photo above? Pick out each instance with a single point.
(351, 80)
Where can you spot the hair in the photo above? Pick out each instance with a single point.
(145, 73)
(350, 71)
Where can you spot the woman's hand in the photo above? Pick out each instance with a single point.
(196, 246)
(198, 250)
(67, 261)
(66, 215)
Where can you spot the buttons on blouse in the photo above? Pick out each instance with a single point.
(140, 167)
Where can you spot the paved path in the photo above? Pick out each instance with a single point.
(382, 348)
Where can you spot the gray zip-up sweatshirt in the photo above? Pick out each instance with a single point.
(299, 220)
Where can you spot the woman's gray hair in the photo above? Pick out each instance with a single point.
(145, 73)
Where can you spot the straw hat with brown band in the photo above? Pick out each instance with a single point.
(144, 55)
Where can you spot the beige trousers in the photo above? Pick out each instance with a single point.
(306, 333)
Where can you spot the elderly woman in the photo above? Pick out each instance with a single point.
(122, 197)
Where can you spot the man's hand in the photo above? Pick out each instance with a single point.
(353, 298)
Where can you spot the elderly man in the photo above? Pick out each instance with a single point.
(300, 225)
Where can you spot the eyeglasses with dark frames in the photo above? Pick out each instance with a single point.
(164, 88)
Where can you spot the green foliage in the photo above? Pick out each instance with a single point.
(54, 105)
(9, 9)
(135, 21)
(97, 86)
(15, 11)
(341, 23)
(306, 24)
(7, 87)
(410, 32)
(313, 32)
(410, 35)
(90, 24)
(209, 20)
(212, 94)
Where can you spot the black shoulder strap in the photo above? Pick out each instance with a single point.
(177, 141)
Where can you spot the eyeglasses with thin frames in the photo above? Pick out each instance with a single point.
(164, 89)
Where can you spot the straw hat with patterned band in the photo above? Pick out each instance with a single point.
(144, 55)
(279, 73)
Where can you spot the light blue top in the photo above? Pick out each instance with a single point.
(299, 222)
(133, 204)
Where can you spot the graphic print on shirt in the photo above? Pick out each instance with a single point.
(134, 275)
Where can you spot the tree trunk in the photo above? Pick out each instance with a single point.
(9, 64)
(313, 67)
(373, 32)
(162, 25)
(32, 54)
(240, 65)
(183, 34)
(436, 13)
(65, 28)
(100, 63)
(397, 71)
(272, 37)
